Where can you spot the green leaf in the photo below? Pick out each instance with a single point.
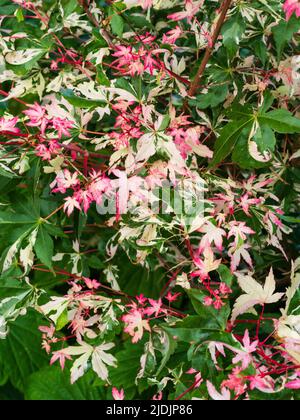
(68, 6)
(44, 247)
(117, 25)
(62, 321)
(213, 318)
(281, 121)
(101, 77)
(265, 139)
(128, 366)
(167, 348)
(15, 294)
(80, 102)
(284, 395)
(135, 279)
(9, 218)
(229, 135)
(290, 219)
(284, 32)
(51, 383)
(7, 172)
(241, 155)
(7, 9)
(19, 15)
(193, 329)
(165, 123)
(232, 32)
(215, 96)
(225, 274)
(21, 353)
(55, 230)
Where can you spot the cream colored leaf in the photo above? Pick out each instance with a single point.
(23, 56)
(296, 155)
(249, 285)
(255, 294)
(3, 328)
(79, 367)
(100, 359)
(295, 284)
(146, 147)
(242, 305)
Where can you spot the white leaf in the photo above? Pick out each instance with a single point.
(3, 328)
(79, 367)
(146, 147)
(20, 88)
(88, 90)
(296, 155)
(100, 359)
(13, 250)
(256, 154)
(255, 294)
(23, 56)
(122, 94)
(55, 307)
(295, 284)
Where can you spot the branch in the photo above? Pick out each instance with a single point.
(196, 82)
(93, 20)
(85, 5)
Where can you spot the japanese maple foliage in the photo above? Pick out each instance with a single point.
(149, 199)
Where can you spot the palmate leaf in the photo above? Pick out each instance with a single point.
(21, 353)
(281, 121)
(68, 6)
(117, 25)
(193, 329)
(51, 383)
(44, 247)
(229, 135)
(233, 30)
(15, 294)
(255, 294)
(79, 101)
(128, 361)
(217, 318)
(283, 33)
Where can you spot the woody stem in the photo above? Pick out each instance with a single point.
(209, 50)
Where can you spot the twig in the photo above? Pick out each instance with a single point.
(195, 84)
(93, 20)
(90, 16)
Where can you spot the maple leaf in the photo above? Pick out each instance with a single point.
(100, 359)
(237, 254)
(217, 396)
(248, 348)
(212, 234)
(135, 325)
(255, 294)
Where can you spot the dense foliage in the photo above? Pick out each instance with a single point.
(149, 207)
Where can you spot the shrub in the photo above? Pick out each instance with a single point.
(149, 179)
